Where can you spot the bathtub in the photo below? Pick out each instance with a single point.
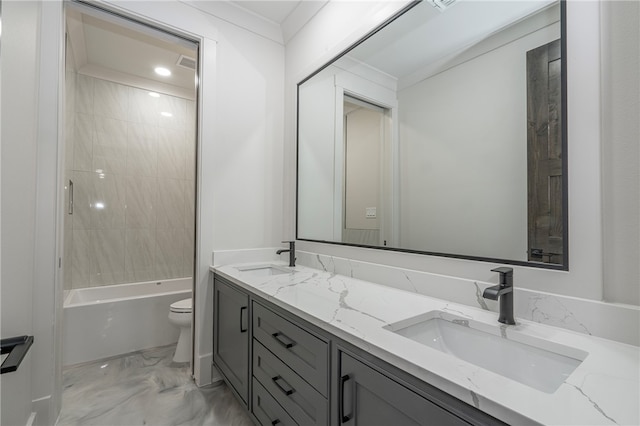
(101, 322)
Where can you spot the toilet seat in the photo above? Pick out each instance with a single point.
(181, 306)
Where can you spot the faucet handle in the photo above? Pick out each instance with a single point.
(506, 275)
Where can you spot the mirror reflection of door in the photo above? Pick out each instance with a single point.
(364, 135)
(544, 157)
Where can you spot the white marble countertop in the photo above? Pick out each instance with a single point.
(603, 389)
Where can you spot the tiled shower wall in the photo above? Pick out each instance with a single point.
(133, 174)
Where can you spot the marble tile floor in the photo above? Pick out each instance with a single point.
(144, 388)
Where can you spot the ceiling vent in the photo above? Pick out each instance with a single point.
(186, 62)
(441, 5)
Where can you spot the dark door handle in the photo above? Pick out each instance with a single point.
(275, 422)
(343, 418)
(277, 381)
(278, 336)
(242, 330)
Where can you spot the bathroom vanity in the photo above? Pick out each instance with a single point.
(303, 346)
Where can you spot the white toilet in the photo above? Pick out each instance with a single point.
(180, 315)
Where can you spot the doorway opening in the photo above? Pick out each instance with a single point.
(366, 137)
(129, 190)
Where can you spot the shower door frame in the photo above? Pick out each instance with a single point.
(201, 371)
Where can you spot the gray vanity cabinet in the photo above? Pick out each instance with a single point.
(290, 372)
(368, 397)
(231, 336)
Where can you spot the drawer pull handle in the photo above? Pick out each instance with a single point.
(243, 329)
(277, 380)
(343, 418)
(287, 345)
(275, 422)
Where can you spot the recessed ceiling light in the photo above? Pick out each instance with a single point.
(166, 114)
(154, 94)
(162, 71)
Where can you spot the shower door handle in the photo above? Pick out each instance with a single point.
(70, 207)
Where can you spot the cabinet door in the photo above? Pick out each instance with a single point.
(231, 336)
(368, 397)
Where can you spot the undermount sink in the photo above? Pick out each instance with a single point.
(264, 270)
(534, 362)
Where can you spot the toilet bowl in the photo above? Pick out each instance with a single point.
(180, 316)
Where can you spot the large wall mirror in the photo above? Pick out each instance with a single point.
(443, 132)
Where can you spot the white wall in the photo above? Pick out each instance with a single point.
(32, 299)
(464, 187)
(621, 150)
(320, 40)
(18, 192)
(363, 146)
(316, 172)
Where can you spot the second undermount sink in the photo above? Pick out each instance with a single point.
(531, 361)
(264, 270)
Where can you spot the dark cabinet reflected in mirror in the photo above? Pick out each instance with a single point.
(444, 133)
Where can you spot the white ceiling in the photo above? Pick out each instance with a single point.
(118, 50)
(275, 11)
(426, 38)
(108, 47)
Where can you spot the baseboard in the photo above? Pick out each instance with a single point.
(204, 372)
(202, 369)
(43, 410)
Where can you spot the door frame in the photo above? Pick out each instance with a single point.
(200, 365)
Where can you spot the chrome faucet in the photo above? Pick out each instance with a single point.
(504, 291)
(291, 251)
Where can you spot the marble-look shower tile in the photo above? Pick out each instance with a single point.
(69, 118)
(143, 108)
(144, 388)
(67, 256)
(189, 205)
(171, 154)
(191, 113)
(84, 94)
(110, 146)
(190, 153)
(141, 201)
(111, 100)
(142, 150)
(175, 106)
(108, 201)
(82, 199)
(188, 253)
(80, 264)
(169, 253)
(107, 256)
(140, 246)
(170, 204)
(83, 142)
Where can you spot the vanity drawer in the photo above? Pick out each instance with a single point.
(267, 409)
(303, 403)
(305, 353)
